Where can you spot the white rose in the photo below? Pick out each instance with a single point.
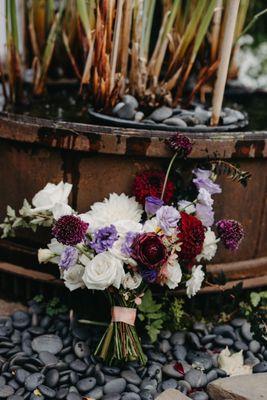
(194, 283)
(209, 246)
(44, 255)
(60, 209)
(51, 194)
(103, 271)
(174, 274)
(131, 281)
(204, 197)
(73, 277)
(116, 250)
(124, 226)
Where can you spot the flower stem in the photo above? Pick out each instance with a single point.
(167, 175)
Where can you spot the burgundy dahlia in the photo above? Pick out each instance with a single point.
(150, 183)
(149, 251)
(181, 144)
(192, 235)
(70, 230)
(230, 232)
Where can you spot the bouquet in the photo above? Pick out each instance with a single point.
(163, 236)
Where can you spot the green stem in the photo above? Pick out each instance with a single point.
(167, 175)
(251, 23)
(89, 322)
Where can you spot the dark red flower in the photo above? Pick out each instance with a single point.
(180, 143)
(70, 230)
(150, 183)
(149, 251)
(230, 232)
(179, 368)
(192, 235)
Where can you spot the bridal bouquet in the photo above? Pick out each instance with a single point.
(162, 236)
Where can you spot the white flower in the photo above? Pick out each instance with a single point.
(60, 209)
(73, 277)
(116, 250)
(151, 225)
(209, 246)
(194, 283)
(103, 271)
(45, 255)
(233, 364)
(51, 194)
(186, 206)
(204, 197)
(131, 282)
(174, 273)
(111, 210)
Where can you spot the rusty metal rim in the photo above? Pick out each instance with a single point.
(125, 141)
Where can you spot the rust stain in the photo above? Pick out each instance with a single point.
(95, 140)
(249, 149)
(63, 138)
(71, 169)
(137, 146)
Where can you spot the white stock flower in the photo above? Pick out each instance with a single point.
(131, 282)
(52, 253)
(126, 225)
(116, 208)
(174, 274)
(102, 271)
(194, 283)
(60, 209)
(151, 225)
(209, 246)
(233, 364)
(51, 194)
(45, 255)
(73, 277)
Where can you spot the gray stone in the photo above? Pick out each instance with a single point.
(33, 381)
(212, 375)
(96, 393)
(238, 322)
(169, 370)
(126, 112)
(81, 349)
(252, 360)
(254, 346)
(117, 385)
(196, 378)
(169, 384)
(194, 340)
(74, 396)
(178, 338)
(111, 396)
(202, 115)
(15, 397)
(131, 377)
(51, 343)
(165, 334)
(62, 393)
(164, 346)
(129, 99)
(146, 395)
(199, 396)
(139, 115)
(179, 352)
(200, 327)
(199, 359)
(78, 366)
(86, 384)
(171, 394)
(155, 371)
(130, 396)
(117, 107)
(239, 345)
(48, 358)
(47, 391)
(132, 388)
(21, 375)
(160, 114)
(156, 356)
(207, 339)
(223, 341)
(175, 121)
(242, 387)
(52, 378)
(260, 367)
(246, 331)
(149, 384)
(6, 391)
(21, 320)
(225, 330)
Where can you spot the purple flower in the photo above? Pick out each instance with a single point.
(167, 218)
(203, 180)
(70, 230)
(68, 258)
(104, 238)
(181, 144)
(126, 247)
(230, 232)
(149, 275)
(152, 205)
(205, 214)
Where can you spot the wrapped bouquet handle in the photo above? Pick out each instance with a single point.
(123, 314)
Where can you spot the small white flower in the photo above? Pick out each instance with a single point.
(233, 364)
(193, 285)
(45, 255)
(204, 198)
(126, 225)
(102, 271)
(51, 194)
(209, 246)
(151, 225)
(131, 282)
(52, 253)
(73, 277)
(174, 274)
(186, 206)
(61, 209)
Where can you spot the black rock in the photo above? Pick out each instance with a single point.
(131, 377)
(178, 338)
(100, 377)
(52, 378)
(74, 377)
(212, 375)
(146, 395)
(48, 358)
(194, 340)
(246, 331)
(47, 391)
(199, 359)
(130, 396)
(21, 320)
(112, 396)
(6, 391)
(208, 338)
(96, 393)
(179, 352)
(33, 381)
(117, 385)
(81, 349)
(169, 384)
(223, 341)
(2, 381)
(84, 385)
(21, 375)
(254, 346)
(62, 393)
(111, 370)
(78, 366)
(156, 356)
(199, 396)
(73, 396)
(260, 367)
(196, 378)
(51, 343)
(239, 345)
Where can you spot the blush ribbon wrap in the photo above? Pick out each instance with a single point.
(123, 314)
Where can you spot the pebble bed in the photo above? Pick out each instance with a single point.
(46, 358)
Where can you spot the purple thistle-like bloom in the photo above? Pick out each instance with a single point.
(203, 180)
(230, 232)
(126, 247)
(167, 218)
(70, 230)
(149, 275)
(181, 144)
(152, 205)
(68, 258)
(104, 238)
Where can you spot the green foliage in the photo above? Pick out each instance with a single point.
(53, 307)
(151, 314)
(255, 310)
(257, 297)
(176, 314)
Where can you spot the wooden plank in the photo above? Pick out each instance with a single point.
(240, 269)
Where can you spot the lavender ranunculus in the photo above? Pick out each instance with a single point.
(68, 258)
(203, 180)
(152, 205)
(167, 218)
(205, 214)
(104, 238)
(126, 247)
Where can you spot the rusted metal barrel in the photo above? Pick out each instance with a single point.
(98, 160)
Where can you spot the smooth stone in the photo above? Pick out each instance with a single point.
(139, 115)
(131, 377)
(117, 107)
(15, 397)
(81, 349)
(33, 381)
(46, 322)
(164, 346)
(172, 394)
(126, 112)
(161, 114)
(51, 343)
(238, 322)
(175, 121)
(149, 384)
(165, 334)
(199, 359)
(200, 327)
(251, 360)
(169, 384)
(155, 371)
(21, 320)
(36, 330)
(78, 366)
(199, 396)
(132, 388)
(196, 378)
(74, 377)
(194, 340)
(130, 396)
(239, 345)
(212, 375)
(260, 367)
(96, 393)
(99, 376)
(149, 121)
(35, 397)
(223, 341)
(62, 393)
(185, 384)
(157, 357)
(112, 396)
(48, 358)
(111, 370)
(202, 115)
(146, 395)
(27, 347)
(86, 384)
(47, 391)
(246, 331)
(221, 373)
(207, 339)
(169, 370)
(224, 330)
(6, 391)
(21, 375)
(16, 337)
(129, 99)
(179, 352)
(178, 338)
(254, 346)
(73, 396)
(2, 381)
(52, 378)
(117, 385)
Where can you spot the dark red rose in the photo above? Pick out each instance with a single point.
(150, 183)
(148, 250)
(192, 235)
